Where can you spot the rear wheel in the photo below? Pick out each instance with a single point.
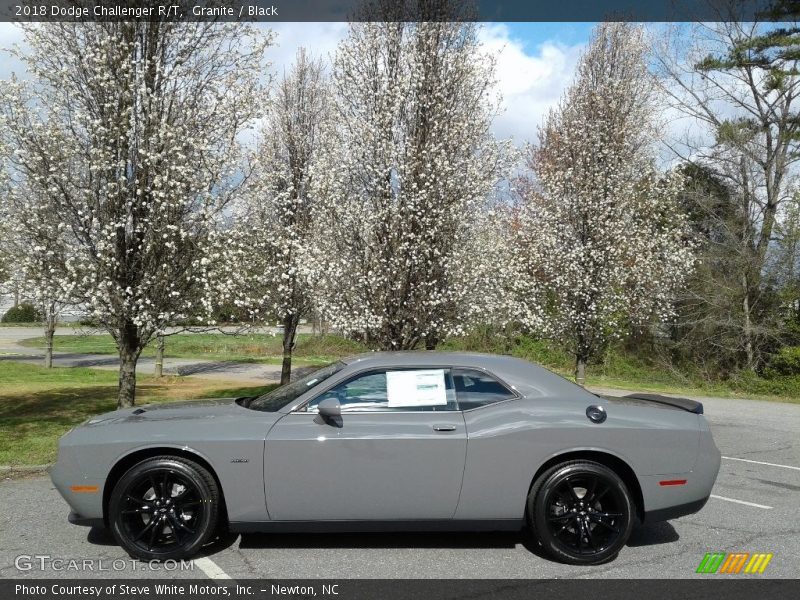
(164, 508)
(581, 512)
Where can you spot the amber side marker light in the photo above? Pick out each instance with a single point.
(672, 482)
(84, 489)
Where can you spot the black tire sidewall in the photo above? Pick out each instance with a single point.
(538, 512)
(192, 471)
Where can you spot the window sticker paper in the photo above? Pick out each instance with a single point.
(416, 388)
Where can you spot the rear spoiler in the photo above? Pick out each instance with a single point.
(691, 406)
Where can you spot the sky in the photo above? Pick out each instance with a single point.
(535, 63)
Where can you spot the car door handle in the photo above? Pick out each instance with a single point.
(444, 427)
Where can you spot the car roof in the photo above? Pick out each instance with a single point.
(429, 357)
(526, 377)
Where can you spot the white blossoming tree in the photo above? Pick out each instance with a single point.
(128, 131)
(39, 246)
(5, 227)
(401, 183)
(4, 260)
(273, 220)
(600, 239)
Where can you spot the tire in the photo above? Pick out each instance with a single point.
(580, 512)
(164, 508)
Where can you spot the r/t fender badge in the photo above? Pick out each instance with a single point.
(239, 460)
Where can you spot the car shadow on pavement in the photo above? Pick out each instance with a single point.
(643, 535)
(381, 540)
(650, 534)
(222, 542)
(653, 534)
(103, 537)
(100, 537)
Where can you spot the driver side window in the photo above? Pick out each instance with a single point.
(392, 391)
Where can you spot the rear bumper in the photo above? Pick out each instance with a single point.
(663, 501)
(673, 512)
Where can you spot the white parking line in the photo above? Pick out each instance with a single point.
(758, 462)
(210, 568)
(753, 504)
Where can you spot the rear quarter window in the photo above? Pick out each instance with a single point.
(475, 388)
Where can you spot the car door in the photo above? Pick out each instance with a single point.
(397, 451)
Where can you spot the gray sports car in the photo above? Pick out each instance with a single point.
(393, 441)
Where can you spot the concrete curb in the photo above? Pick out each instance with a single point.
(19, 469)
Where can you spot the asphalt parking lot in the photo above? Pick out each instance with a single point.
(755, 508)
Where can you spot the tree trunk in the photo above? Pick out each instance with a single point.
(49, 331)
(580, 370)
(289, 333)
(431, 341)
(159, 370)
(129, 345)
(127, 380)
(748, 327)
(323, 326)
(16, 295)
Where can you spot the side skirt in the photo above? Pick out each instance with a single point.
(377, 526)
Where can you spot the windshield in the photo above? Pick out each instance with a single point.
(280, 397)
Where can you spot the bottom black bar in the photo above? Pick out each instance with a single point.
(715, 587)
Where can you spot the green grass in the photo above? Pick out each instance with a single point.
(38, 405)
(261, 348)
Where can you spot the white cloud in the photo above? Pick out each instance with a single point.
(530, 84)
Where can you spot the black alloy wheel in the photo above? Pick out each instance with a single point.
(164, 508)
(581, 512)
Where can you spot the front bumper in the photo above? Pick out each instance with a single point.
(84, 495)
(76, 519)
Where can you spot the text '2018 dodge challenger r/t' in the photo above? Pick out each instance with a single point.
(393, 441)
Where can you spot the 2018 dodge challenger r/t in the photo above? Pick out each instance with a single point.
(393, 441)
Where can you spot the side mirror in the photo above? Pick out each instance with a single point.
(329, 408)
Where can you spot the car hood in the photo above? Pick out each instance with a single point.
(207, 408)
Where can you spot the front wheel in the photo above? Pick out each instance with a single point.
(164, 508)
(581, 512)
